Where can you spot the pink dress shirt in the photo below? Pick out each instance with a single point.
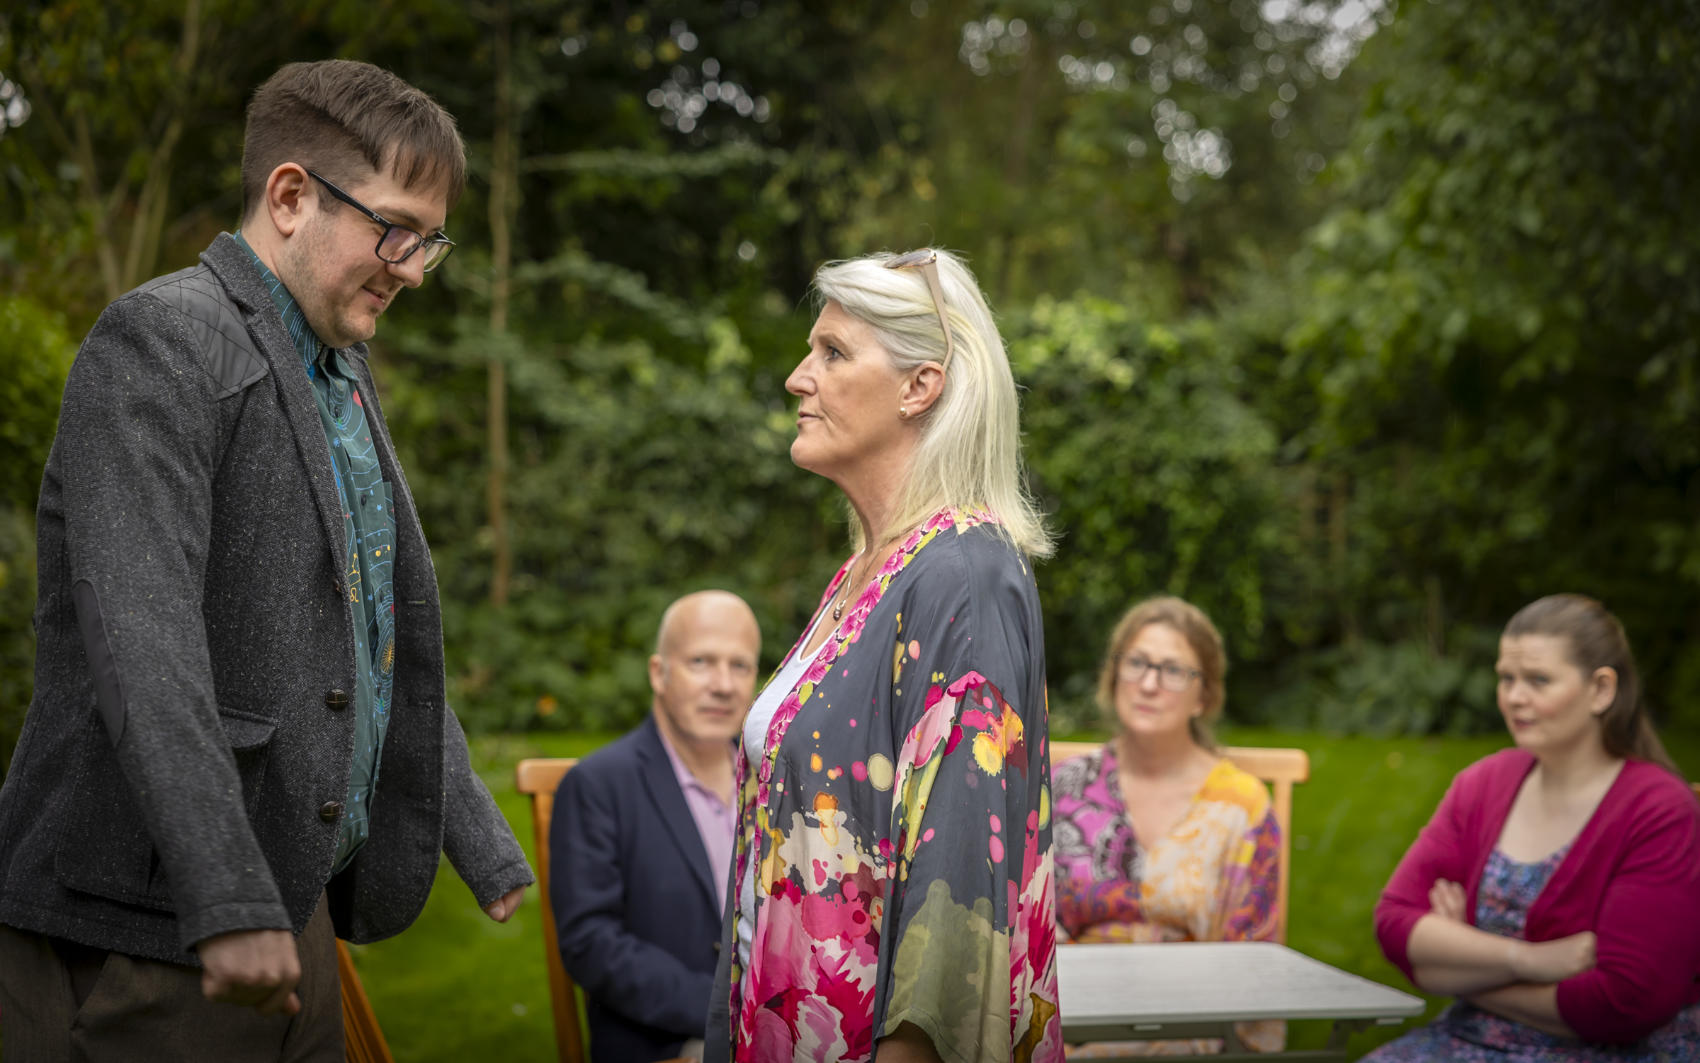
(716, 820)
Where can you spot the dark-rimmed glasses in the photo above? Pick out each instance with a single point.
(926, 260)
(1172, 676)
(397, 243)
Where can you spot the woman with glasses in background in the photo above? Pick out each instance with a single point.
(891, 887)
(1158, 837)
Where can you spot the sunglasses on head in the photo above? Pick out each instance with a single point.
(926, 260)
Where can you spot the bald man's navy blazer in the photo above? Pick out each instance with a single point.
(639, 925)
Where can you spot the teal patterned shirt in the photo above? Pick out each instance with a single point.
(368, 530)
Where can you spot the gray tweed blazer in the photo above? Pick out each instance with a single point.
(187, 750)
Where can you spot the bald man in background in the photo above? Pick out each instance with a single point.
(641, 840)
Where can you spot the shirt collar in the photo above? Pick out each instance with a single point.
(311, 349)
(683, 773)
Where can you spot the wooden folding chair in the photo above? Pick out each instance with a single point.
(363, 1042)
(537, 777)
(1279, 767)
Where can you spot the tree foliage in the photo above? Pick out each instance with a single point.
(1500, 322)
(35, 355)
(1156, 471)
(1359, 326)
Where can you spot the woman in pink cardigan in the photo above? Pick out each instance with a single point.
(1556, 890)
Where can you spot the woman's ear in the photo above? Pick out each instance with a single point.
(1602, 690)
(920, 389)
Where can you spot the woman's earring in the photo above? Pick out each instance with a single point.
(903, 411)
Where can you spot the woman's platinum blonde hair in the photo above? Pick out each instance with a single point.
(969, 451)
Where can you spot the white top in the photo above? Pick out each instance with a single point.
(755, 747)
(1116, 991)
(773, 695)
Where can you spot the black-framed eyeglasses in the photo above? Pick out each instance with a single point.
(926, 260)
(397, 243)
(1172, 676)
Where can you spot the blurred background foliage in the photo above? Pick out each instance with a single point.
(1359, 323)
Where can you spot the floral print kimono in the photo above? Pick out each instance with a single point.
(1212, 877)
(898, 824)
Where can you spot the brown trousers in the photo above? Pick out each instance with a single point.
(64, 1003)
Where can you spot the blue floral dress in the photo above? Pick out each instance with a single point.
(1464, 1033)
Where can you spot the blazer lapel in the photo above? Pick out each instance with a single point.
(663, 788)
(235, 269)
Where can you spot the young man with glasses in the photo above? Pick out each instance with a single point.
(238, 624)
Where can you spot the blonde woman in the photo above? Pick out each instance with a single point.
(892, 876)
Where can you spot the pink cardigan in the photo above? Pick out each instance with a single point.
(1632, 877)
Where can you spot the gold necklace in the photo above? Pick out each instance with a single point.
(838, 606)
(850, 581)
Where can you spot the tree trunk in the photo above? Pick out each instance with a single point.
(1434, 615)
(125, 263)
(1350, 629)
(503, 209)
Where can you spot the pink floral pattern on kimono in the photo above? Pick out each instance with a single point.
(898, 826)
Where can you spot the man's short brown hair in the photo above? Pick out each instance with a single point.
(347, 120)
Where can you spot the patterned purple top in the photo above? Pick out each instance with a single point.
(1213, 876)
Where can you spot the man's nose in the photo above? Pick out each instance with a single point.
(410, 270)
(720, 677)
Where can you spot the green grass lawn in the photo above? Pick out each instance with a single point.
(459, 987)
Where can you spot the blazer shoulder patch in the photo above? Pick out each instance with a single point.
(233, 360)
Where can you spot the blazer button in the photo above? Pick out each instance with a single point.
(337, 699)
(717, 946)
(330, 811)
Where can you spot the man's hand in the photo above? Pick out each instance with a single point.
(1446, 899)
(1554, 961)
(254, 968)
(500, 910)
